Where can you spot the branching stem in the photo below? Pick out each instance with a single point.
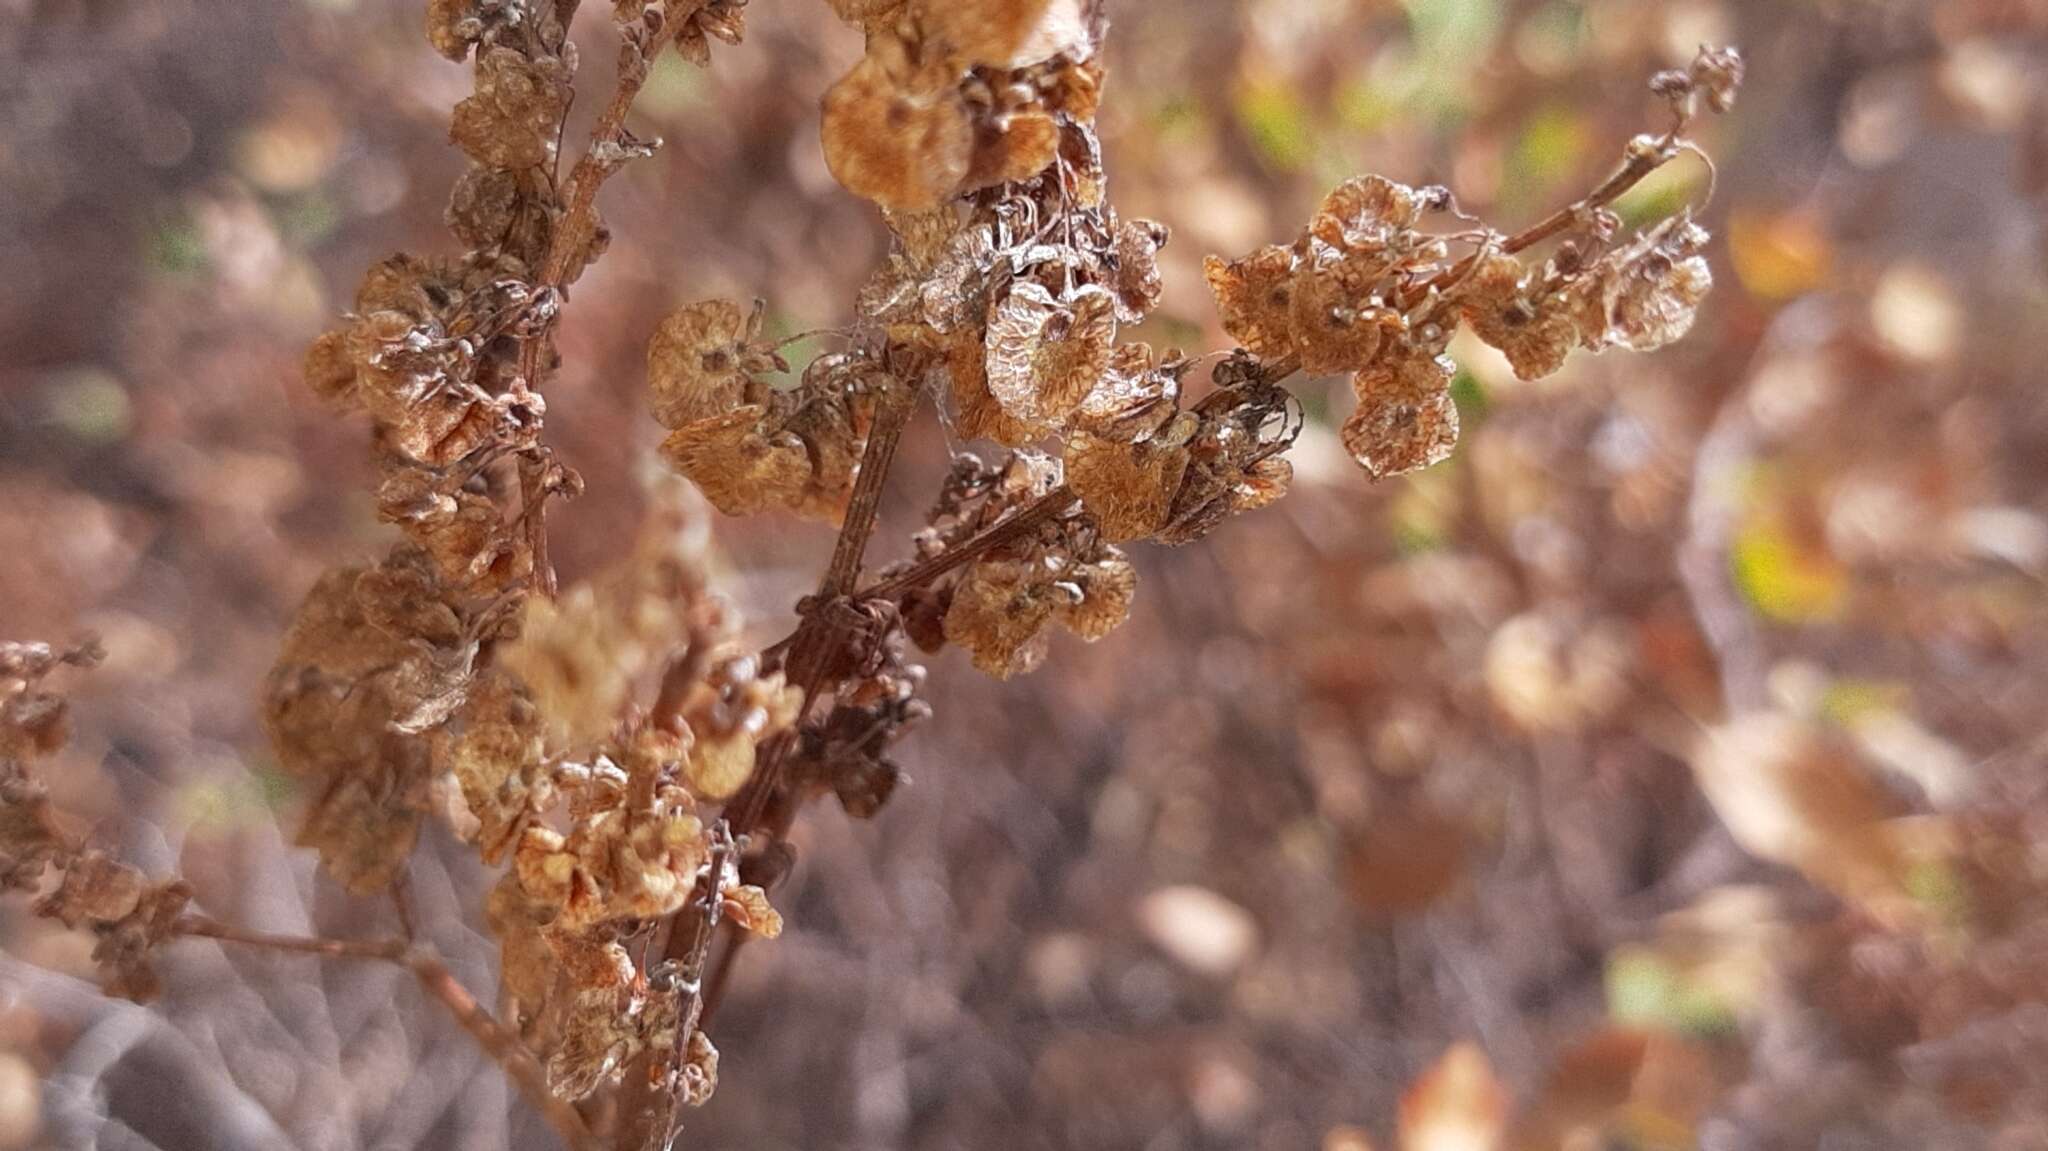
(438, 982)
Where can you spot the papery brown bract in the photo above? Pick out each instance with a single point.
(1405, 419)
(903, 141)
(509, 122)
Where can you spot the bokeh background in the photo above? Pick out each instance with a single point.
(1380, 773)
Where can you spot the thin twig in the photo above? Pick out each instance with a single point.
(1049, 506)
(438, 982)
(571, 237)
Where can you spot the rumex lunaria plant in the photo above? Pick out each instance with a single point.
(609, 746)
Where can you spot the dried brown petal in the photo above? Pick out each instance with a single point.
(1405, 420)
(1255, 296)
(903, 146)
(510, 121)
(1046, 353)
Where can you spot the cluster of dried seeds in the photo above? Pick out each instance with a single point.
(128, 915)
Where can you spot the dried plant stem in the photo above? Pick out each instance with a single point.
(810, 649)
(1049, 506)
(571, 236)
(438, 982)
(1640, 160)
(809, 654)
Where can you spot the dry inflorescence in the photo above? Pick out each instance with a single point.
(631, 769)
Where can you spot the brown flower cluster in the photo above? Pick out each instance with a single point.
(748, 445)
(128, 915)
(1365, 290)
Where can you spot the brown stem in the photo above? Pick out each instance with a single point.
(1049, 506)
(1640, 160)
(810, 649)
(438, 982)
(571, 236)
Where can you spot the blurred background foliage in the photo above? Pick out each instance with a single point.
(1663, 771)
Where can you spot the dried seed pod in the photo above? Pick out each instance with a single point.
(1509, 310)
(698, 362)
(1255, 296)
(1137, 281)
(1010, 33)
(1106, 585)
(1130, 487)
(1338, 322)
(1015, 149)
(1405, 420)
(1367, 214)
(329, 370)
(903, 144)
(1046, 352)
(722, 20)
(129, 917)
(333, 707)
(998, 616)
(30, 839)
(453, 26)
(1647, 294)
(740, 464)
(484, 206)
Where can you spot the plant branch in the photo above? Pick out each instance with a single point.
(438, 982)
(1049, 506)
(571, 237)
